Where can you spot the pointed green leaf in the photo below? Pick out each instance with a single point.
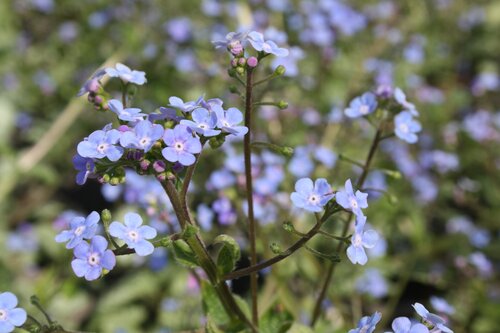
(184, 255)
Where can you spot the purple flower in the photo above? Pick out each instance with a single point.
(101, 143)
(362, 105)
(405, 127)
(10, 316)
(80, 228)
(311, 197)
(359, 240)
(257, 40)
(91, 259)
(431, 318)
(143, 136)
(367, 324)
(178, 103)
(133, 234)
(203, 122)
(350, 201)
(85, 167)
(228, 120)
(126, 74)
(92, 84)
(181, 145)
(404, 325)
(128, 114)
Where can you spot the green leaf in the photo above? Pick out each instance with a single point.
(184, 255)
(212, 306)
(228, 255)
(211, 327)
(276, 321)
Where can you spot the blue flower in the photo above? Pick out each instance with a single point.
(404, 325)
(181, 145)
(80, 228)
(126, 74)
(311, 197)
(362, 105)
(10, 316)
(203, 122)
(350, 201)
(91, 259)
(133, 234)
(128, 114)
(400, 97)
(359, 240)
(228, 120)
(405, 127)
(178, 103)
(101, 144)
(143, 136)
(367, 324)
(85, 167)
(431, 318)
(257, 40)
(441, 305)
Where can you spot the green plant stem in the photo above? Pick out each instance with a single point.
(249, 192)
(331, 267)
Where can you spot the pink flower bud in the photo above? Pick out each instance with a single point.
(252, 62)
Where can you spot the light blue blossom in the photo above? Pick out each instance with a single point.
(400, 97)
(126, 74)
(91, 259)
(257, 40)
(100, 144)
(143, 136)
(441, 305)
(367, 324)
(178, 103)
(127, 114)
(362, 105)
(181, 145)
(80, 228)
(311, 196)
(359, 240)
(404, 325)
(133, 234)
(431, 318)
(203, 122)
(405, 127)
(10, 316)
(352, 201)
(229, 120)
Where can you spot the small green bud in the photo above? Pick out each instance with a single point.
(105, 178)
(288, 226)
(240, 70)
(216, 141)
(167, 124)
(106, 216)
(190, 231)
(280, 70)
(166, 242)
(114, 181)
(287, 151)
(282, 105)
(275, 248)
(234, 90)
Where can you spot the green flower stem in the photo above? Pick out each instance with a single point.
(350, 160)
(331, 267)
(36, 302)
(249, 192)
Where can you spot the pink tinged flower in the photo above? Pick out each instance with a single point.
(359, 241)
(134, 234)
(91, 259)
(181, 145)
(10, 316)
(80, 228)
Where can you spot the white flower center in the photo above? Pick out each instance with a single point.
(313, 198)
(3, 315)
(404, 128)
(102, 147)
(179, 146)
(133, 235)
(144, 142)
(94, 259)
(266, 47)
(225, 124)
(357, 241)
(202, 126)
(363, 109)
(354, 202)
(79, 230)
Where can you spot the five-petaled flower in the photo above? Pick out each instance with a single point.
(431, 318)
(404, 325)
(405, 127)
(367, 324)
(133, 234)
(352, 201)
(181, 145)
(80, 228)
(127, 114)
(311, 197)
(359, 240)
(101, 143)
(178, 103)
(257, 40)
(203, 122)
(362, 105)
(229, 120)
(10, 316)
(91, 259)
(143, 136)
(126, 74)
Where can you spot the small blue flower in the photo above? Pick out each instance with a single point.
(101, 143)
(80, 228)
(367, 324)
(128, 114)
(431, 318)
(91, 259)
(10, 316)
(203, 122)
(404, 325)
(85, 167)
(311, 197)
(257, 40)
(362, 105)
(178, 103)
(441, 305)
(181, 145)
(228, 120)
(405, 127)
(350, 201)
(143, 136)
(126, 74)
(359, 240)
(400, 97)
(133, 234)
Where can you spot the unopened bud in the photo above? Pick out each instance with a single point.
(242, 61)
(114, 181)
(252, 62)
(240, 70)
(93, 86)
(106, 216)
(275, 248)
(216, 142)
(159, 166)
(282, 105)
(234, 62)
(98, 99)
(161, 177)
(280, 70)
(144, 164)
(233, 89)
